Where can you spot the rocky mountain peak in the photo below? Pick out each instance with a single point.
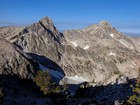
(97, 55)
(104, 23)
(42, 38)
(86, 51)
(47, 23)
(43, 25)
(47, 20)
(102, 26)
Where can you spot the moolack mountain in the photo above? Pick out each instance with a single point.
(101, 58)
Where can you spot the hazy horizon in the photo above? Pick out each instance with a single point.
(72, 14)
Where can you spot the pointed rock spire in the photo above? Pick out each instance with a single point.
(47, 23)
(104, 23)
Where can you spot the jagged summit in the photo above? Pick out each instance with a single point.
(101, 40)
(104, 23)
(101, 30)
(47, 23)
(98, 55)
(47, 19)
(41, 37)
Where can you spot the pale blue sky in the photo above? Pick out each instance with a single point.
(70, 14)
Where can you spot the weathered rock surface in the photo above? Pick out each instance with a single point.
(9, 31)
(136, 41)
(41, 38)
(97, 53)
(14, 61)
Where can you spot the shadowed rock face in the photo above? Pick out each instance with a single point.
(97, 53)
(14, 61)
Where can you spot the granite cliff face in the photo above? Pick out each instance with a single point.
(100, 53)
(41, 38)
(15, 62)
(97, 53)
(136, 41)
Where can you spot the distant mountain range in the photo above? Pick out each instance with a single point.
(133, 34)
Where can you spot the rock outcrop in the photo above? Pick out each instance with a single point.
(41, 38)
(97, 53)
(100, 53)
(15, 62)
(9, 31)
(136, 41)
(97, 56)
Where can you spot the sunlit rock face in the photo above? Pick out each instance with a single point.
(98, 53)
(15, 62)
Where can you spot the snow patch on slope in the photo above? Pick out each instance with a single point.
(133, 63)
(86, 47)
(75, 80)
(74, 43)
(43, 67)
(63, 44)
(112, 35)
(54, 73)
(111, 53)
(132, 66)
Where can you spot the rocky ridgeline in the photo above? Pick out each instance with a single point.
(98, 54)
(95, 53)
